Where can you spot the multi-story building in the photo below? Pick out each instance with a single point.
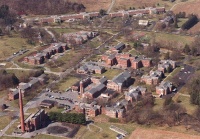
(153, 78)
(166, 65)
(120, 81)
(35, 121)
(39, 58)
(164, 88)
(134, 93)
(90, 110)
(90, 67)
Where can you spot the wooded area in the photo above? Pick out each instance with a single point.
(44, 7)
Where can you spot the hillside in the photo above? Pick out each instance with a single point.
(44, 7)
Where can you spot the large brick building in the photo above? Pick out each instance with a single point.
(116, 111)
(90, 67)
(78, 38)
(166, 65)
(153, 78)
(120, 81)
(164, 88)
(39, 58)
(134, 93)
(124, 60)
(35, 121)
(90, 110)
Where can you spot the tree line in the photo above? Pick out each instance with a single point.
(43, 7)
(7, 80)
(74, 118)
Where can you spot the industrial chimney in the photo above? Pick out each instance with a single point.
(21, 111)
(81, 88)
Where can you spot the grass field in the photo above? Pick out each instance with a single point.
(63, 85)
(126, 4)
(185, 102)
(106, 133)
(4, 121)
(9, 45)
(64, 30)
(189, 7)
(181, 21)
(195, 28)
(159, 134)
(109, 74)
(175, 40)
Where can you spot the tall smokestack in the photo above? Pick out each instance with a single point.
(81, 88)
(21, 111)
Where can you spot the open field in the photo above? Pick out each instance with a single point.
(63, 85)
(185, 102)
(181, 21)
(105, 132)
(94, 5)
(9, 45)
(64, 30)
(195, 28)
(190, 7)
(159, 134)
(109, 74)
(4, 121)
(175, 40)
(126, 4)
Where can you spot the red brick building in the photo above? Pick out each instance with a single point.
(35, 121)
(153, 78)
(164, 88)
(119, 81)
(90, 110)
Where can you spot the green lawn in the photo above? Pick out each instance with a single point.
(106, 133)
(64, 30)
(158, 104)
(182, 40)
(63, 85)
(9, 45)
(4, 121)
(134, 52)
(110, 73)
(181, 21)
(185, 102)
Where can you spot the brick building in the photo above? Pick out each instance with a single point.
(90, 67)
(125, 60)
(164, 88)
(90, 110)
(116, 111)
(35, 121)
(153, 78)
(166, 65)
(13, 94)
(94, 91)
(39, 58)
(120, 81)
(134, 93)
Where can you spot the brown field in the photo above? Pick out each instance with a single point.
(95, 5)
(126, 4)
(159, 134)
(188, 7)
(195, 29)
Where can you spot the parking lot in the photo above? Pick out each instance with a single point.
(68, 98)
(184, 75)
